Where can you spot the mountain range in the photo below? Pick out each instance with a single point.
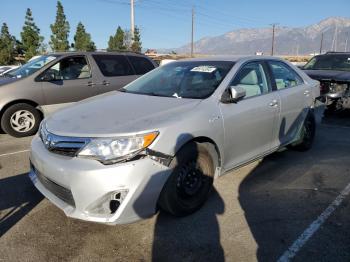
(288, 40)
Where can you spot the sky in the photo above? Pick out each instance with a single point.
(167, 23)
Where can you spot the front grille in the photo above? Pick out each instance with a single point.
(62, 145)
(66, 149)
(59, 191)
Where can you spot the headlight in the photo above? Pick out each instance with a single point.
(112, 150)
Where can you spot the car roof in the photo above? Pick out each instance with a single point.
(334, 53)
(96, 53)
(232, 58)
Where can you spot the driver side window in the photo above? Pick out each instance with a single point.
(252, 79)
(70, 68)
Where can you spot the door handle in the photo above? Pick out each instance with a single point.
(105, 83)
(307, 92)
(273, 103)
(90, 83)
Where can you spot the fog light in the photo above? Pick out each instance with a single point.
(108, 204)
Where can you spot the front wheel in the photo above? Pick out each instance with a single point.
(190, 183)
(20, 120)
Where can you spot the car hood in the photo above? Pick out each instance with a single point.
(341, 76)
(7, 80)
(118, 113)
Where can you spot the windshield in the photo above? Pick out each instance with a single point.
(194, 79)
(31, 67)
(329, 62)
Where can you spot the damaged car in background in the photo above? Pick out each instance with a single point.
(161, 140)
(333, 71)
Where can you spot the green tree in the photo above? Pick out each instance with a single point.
(60, 31)
(30, 35)
(82, 39)
(7, 46)
(116, 42)
(136, 45)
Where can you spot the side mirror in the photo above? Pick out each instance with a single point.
(237, 93)
(233, 94)
(48, 76)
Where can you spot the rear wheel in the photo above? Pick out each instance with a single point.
(20, 120)
(307, 133)
(189, 185)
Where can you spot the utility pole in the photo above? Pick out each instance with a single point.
(298, 49)
(346, 42)
(321, 45)
(273, 39)
(192, 32)
(335, 36)
(132, 17)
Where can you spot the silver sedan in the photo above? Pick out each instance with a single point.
(161, 140)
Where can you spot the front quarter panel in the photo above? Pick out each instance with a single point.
(204, 120)
(24, 89)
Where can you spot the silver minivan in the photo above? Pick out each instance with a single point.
(161, 140)
(52, 81)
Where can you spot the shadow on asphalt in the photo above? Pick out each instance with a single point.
(340, 118)
(18, 197)
(192, 238)
(289, 189)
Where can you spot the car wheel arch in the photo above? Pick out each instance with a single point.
(214, 149)
(18, 101)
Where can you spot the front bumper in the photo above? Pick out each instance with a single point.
(91, 182)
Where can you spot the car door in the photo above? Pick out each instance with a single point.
(249, 123)
(68, 80)
(294, 95)
(115, 72)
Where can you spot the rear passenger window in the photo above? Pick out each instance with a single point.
(252, 78)
(113, 65)
(141, 64)
(284, 75)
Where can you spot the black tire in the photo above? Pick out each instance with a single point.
(191, 181)
(308, 134)
(35, 119)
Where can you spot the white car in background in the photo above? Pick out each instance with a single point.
(6, 69)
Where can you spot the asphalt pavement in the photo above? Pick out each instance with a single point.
(290, 205)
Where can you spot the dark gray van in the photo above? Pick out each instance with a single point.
(52, 81)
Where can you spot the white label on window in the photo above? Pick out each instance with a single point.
(204, 69)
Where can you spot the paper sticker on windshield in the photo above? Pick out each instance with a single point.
(204, 69)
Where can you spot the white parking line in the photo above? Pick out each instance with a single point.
(13, 153)
(314, 226)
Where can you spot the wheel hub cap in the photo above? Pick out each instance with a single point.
(22, 121)
(190, 179)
